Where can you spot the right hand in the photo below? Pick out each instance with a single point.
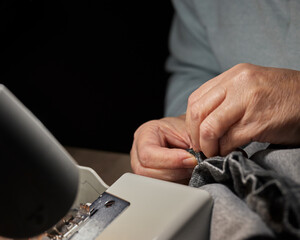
(244, 104)
(159, 150)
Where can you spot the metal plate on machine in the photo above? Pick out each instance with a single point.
(90, 220)
(104, 210)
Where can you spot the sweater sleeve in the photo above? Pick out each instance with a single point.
(191, 61)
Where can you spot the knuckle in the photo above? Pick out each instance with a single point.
(143, 130)
(245, 71)
(135, 135)
(140, 128)
(243, 65)
(247, 77)
(144, 126)
(136, 168)
(138, 131)
(192, 99)
(245, 68)
(208, 131)
(195, 113)
(133, 161)
(144, 157)
(246, 74)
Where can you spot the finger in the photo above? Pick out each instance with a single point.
(133, 157)
(206, 87)
(212, 83)
(175, 175)
(172, 138)
(172, 175)
(194, 99)
(153, 156)
(153, 150)
(238, 135)
(197, 112)
(217, 123)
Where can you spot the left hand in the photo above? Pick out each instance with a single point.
(159, 150)
(246, 103)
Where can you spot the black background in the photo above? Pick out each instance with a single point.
(91, 71)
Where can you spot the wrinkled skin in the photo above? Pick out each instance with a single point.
(246, 103)
(158, 150)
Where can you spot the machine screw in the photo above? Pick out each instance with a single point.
(109, 203)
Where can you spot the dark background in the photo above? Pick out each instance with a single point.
(91, 71)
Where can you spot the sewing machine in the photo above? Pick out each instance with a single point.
(44, 192)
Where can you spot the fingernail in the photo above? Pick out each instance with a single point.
(190, 162)
(196, 149)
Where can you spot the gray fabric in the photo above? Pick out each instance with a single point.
(268, 183)
(285, 162)
(255, 147)
(210, 36)
(231, 218)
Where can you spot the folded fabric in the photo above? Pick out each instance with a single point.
(269, 187)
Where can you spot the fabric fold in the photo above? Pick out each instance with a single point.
(273, 197)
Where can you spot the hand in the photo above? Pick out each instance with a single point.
(158, 150)
(246, 103)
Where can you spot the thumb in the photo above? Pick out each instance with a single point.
(153, 156)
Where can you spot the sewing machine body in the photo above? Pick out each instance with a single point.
(157, 210)
(40, 181)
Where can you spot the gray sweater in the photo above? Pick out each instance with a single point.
(207, 38)
(211, 36)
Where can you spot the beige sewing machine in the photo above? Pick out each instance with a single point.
(45, 192)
